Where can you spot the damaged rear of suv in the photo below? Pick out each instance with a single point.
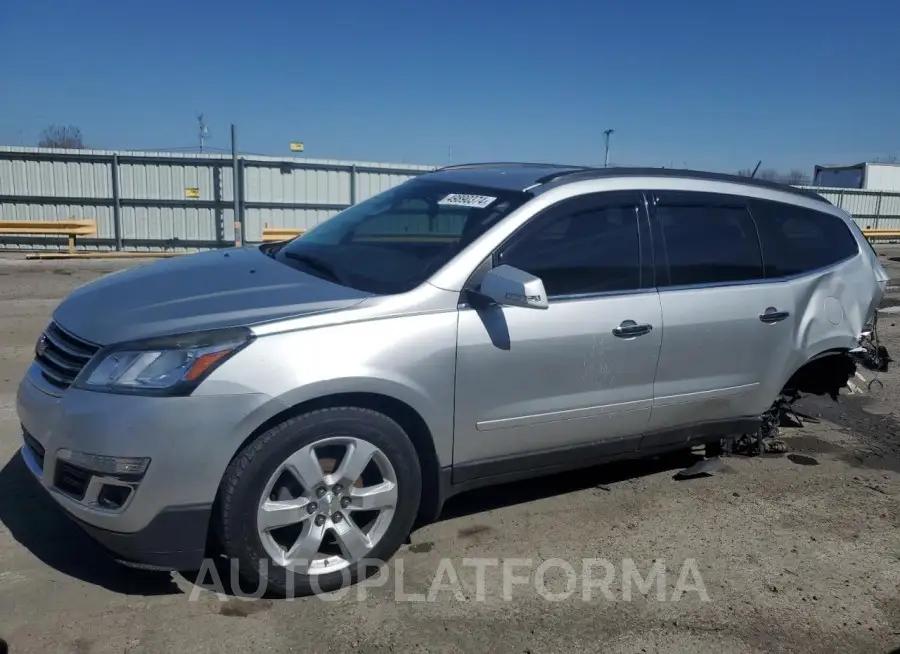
(822, 257)
(767, 293)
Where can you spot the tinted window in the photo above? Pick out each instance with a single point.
(587, 245)
(839, 177)
(394, 241)
(708, 242)
(797, 240)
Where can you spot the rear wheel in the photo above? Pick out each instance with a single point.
(313, 502)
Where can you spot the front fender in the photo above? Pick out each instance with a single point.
(409, 358)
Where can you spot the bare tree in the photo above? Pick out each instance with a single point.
(768, 174)
(796, 177)
(60, 136)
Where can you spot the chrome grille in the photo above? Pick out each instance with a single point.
(61, 355)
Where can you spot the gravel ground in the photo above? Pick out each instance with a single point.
(790, 553)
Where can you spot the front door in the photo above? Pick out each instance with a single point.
(536, 388)
(727, 328)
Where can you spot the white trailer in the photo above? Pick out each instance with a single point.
(868, 176)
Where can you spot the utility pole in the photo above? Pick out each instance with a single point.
(606, 134)
(204, 131)
(236, 190)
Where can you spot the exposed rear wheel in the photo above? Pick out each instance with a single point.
(310, 502)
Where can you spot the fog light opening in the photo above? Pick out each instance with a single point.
(113, 497)
(72, 480)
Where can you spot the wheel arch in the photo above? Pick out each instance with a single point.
(399, 411)
(824, 373)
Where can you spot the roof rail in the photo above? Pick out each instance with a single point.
(595, 173)
(552, 177)
(490, 164)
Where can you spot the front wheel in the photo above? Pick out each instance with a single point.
(309, 504)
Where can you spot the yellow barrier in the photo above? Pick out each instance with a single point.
(271, 234)
(54, 256)
(878, 234)
(70, 228)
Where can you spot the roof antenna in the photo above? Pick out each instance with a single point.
(758, 164)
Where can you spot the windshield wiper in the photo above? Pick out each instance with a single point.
(316, 263)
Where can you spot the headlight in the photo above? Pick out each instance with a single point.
(166, 366)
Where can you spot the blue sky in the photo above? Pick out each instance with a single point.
(708, 84)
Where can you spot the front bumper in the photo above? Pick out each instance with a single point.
(159, 517)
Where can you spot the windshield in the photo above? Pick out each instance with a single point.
(394, 241)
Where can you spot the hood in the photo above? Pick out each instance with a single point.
(208, 290)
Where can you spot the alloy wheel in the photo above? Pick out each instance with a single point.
(327, 505)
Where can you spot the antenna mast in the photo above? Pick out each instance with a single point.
(758, 164)
(607, 133)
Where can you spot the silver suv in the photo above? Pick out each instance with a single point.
(300, 406)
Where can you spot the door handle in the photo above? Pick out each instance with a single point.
(630, 329)
(772, 314)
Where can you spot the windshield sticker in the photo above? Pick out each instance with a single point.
(465, 200)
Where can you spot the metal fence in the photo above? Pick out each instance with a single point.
(870, 209)
(169, 201)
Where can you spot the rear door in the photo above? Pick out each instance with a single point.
(725, 325)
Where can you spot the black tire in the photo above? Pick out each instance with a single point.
(246, 476)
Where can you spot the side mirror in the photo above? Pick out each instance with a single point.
(508, 286)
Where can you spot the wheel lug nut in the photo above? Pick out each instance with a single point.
(345, 502)
(320, 491)
(337, 488)
(312, 507)
(320, 520)
(336, 517)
